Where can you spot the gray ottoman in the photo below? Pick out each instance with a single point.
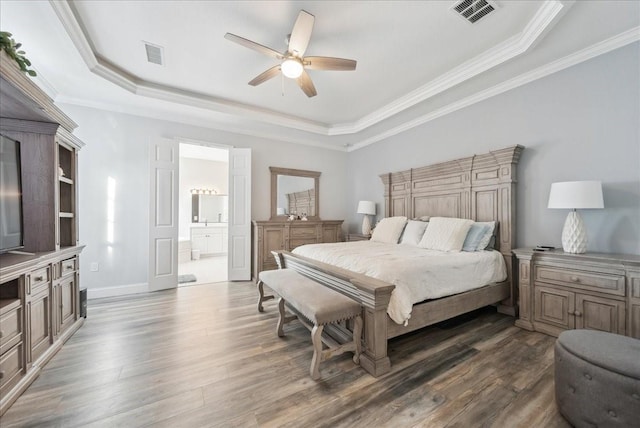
(597, 379)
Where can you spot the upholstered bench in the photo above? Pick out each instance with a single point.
(597, 378)
(315, 306)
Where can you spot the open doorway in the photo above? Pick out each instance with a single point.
(203, 214)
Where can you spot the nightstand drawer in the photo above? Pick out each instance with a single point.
(601, 282)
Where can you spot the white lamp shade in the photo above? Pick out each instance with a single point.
(576, 195)
(367, 207)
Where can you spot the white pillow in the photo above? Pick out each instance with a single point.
(413, 232)
(445, 234)
(389, 230)
(489, 232)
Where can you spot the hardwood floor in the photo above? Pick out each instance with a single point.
(203, 356)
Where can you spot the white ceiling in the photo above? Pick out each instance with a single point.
(417, 60)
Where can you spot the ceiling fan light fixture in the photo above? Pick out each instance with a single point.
(291, 68)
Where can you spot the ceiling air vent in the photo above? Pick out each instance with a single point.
(474, 10)
(154, 53)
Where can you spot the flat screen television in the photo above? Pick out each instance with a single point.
(11, 221)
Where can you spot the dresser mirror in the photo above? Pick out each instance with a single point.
(294, 192)
(209, 208)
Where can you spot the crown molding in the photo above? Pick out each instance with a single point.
(512, 47)
(196, 121)
(615, 42)
(548, 13)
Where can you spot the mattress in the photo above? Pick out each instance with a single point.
(417, 273)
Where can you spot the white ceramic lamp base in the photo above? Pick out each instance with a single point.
(366, 225)
(574, 234)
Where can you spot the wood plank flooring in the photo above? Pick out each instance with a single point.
(202, 356)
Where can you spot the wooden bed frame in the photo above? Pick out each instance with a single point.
(481, 188)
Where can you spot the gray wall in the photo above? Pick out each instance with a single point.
(117, 147)
(582, 123)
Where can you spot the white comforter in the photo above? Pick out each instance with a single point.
(418, 274)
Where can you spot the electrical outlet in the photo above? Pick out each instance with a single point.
(94, 267)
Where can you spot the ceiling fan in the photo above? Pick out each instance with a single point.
(294, 64)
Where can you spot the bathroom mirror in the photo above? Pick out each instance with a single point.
(294, 191)
(209, 208)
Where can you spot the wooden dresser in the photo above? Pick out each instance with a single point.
(277, 235)
(560, 291)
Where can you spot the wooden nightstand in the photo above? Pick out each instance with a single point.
(357, 237)
(561, 291)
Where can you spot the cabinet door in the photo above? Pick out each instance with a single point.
(199, 242)
(596, 313)
(39, 315)
(330, 233)
(273, 240)
(554, 307)
(214, 242)
(66, 310)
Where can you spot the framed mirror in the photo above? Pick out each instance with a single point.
(294, 191)
(209, 208)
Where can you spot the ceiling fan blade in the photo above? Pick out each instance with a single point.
(301, 33)
(253, 45)
(263, 77)
(305, 83)
(329, 63)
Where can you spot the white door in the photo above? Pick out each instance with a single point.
(163, 216)
(239, 255)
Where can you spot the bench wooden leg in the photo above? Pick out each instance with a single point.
(316, 338)
(262, 297)
(357, 338)
(281, 320)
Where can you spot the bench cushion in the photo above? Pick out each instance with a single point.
(319, 304)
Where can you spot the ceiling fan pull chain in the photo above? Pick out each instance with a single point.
(282, 83)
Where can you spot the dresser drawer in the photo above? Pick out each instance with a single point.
(10, 326)
(40, 280)
(68, 266)
(601, 282)
(11, 368)
(303, 232)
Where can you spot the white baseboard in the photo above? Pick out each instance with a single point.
(118, 290)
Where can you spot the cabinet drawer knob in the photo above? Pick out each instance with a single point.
(578, 313)
(574, 278)
(38, 278)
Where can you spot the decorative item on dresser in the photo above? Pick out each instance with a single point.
(284, 231)
(39, 285)
(573, 195)
(561, 291)
(367, 208)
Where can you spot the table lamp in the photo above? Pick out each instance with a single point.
(367, 208)
(575, 195)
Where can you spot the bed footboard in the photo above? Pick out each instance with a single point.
(372, 294)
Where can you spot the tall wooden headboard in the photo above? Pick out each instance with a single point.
(479, 187)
